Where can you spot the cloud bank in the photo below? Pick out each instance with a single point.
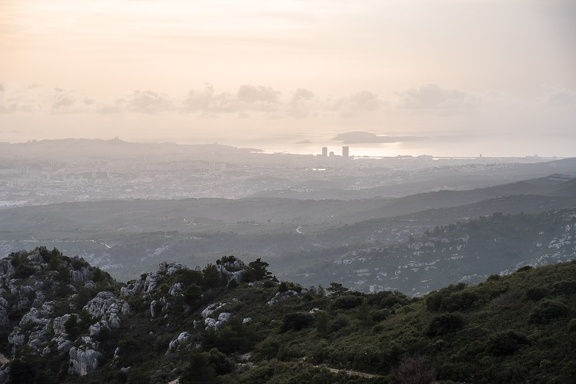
(267, 101)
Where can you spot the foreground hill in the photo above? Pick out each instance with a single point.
(66, 321)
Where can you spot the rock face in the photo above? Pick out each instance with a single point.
(83, 360)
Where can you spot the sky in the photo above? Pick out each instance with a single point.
(385, 77)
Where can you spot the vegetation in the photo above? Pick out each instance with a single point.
(508, 329)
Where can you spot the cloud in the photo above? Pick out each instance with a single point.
(248, 98)
(301, 94)
(63, 101)
(149, 102)
(560, 97)
(432, 96)
(254, 94)
(360, 137)
(118, 106)
(13, 107)
(14, 101)
(202, 101)
(301, 104)
(363, 101)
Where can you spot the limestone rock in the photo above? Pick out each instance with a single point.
(106, 306)
(182, 338)
(83, 360)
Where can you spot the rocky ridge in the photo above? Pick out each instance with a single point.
(57, 307)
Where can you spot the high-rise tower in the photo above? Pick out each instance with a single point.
(345, 152)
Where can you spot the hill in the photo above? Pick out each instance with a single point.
(466, 251)
(66, 321)
(126, 237)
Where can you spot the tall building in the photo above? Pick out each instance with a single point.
(345, 151)
(324, 151)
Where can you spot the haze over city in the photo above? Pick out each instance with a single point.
(438, 77)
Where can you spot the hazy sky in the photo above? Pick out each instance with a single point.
(440, 77)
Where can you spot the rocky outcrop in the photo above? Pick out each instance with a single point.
(218, 322)
(182, 339)
(50, 310)
(170, 268)
(83, 360)
(106, 306)
(212, 321)
(231, 268)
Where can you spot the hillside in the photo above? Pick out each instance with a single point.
(127, 237)
(467, 251)
(68, 322)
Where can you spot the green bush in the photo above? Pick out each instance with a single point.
(564, 287)
(458, 301)
(296, 321)
(387, 299)
(338, 323)
(347, 302)
(506, 343)
(548, 310)
(445, 323)
(536, 293)
(24, 271)
(380, 314)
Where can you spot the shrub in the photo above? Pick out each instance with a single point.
(445, 323)
(380, 314)
(506, 343)
(188, 276)
(413, 370)
(536, 293)
(388, 299)
(78, 263)
(433, 301)
(524, 269)
(338, 323)
(23, 271)
(72, 327)
(572, 326)
(296, 321)
(564, 287)
(548, 310)
(347, 302)
(458, 301)
(449, 301)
